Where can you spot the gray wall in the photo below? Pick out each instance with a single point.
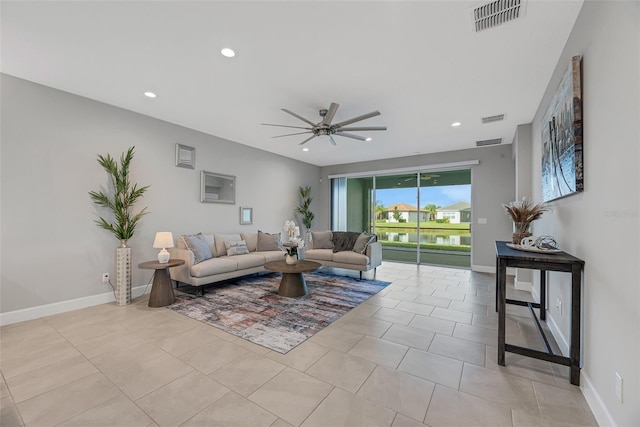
(522, 157)
(51, 249)
(602, 224)
(492, 185)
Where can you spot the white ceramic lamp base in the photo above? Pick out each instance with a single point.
(163, 256)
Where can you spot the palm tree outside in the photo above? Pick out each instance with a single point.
(432, 210)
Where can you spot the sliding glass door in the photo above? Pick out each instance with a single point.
(420, 217)
(398, 222)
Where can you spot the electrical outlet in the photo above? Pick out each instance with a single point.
(105, 277)
(619, 387)
(559, 306)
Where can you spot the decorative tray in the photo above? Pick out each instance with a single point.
(533, 249)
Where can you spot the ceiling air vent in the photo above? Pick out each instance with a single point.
(489, 142)
(492, 14)
(491, 119)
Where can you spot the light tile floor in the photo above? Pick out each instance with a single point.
(421, 352)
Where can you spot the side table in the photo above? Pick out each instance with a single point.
(562, 261)
(292, 283)
(161, 290)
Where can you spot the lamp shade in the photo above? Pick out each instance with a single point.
(164, 239)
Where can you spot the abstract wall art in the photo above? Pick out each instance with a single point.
(562, 168)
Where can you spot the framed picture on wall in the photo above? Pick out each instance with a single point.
(185, 156)
(246, 216)
(217, 188)
(562, 168)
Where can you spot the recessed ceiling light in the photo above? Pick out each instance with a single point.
(368, 139)
(150, 94)
(455, 124)
(229, 53)
(305, 149)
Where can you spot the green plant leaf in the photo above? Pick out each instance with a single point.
(124, 196)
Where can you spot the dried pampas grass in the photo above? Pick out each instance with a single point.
(525, 211)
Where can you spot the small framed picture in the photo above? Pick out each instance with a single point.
(246, 216)
(185, 156)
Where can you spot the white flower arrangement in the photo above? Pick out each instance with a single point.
(289, 225)
(297, 241)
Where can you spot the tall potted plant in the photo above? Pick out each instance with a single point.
(120, 202)
(304, 209)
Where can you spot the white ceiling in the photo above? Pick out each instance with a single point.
(419, 63)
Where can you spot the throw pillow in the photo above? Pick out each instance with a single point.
(344, 240)
(251, 239)
(322, 239)
(268, 242)
(362, 242)
(236, 248)
(199, 246)
(221, 250)
(211, 242)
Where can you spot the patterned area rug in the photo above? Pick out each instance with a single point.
(251, 308)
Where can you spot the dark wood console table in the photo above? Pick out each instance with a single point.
(508, 257)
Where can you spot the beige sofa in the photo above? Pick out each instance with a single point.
(219, 266)
(352, 259)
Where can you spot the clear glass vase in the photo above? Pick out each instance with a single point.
(520, 231)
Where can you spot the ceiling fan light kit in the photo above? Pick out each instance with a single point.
(325, 127)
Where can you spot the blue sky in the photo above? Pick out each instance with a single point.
(440, 196)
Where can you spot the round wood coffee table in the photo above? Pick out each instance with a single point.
(292, 283)
(161, 290)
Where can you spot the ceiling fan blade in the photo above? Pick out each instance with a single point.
(332, 141)
(357, 119)
(307, 140)
(362, 128)
(285, 126)
(350, 135)
(330, 114)
(298, 117)
(290, 134)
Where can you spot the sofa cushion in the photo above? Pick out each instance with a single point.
(236, 248)
(319, 254)
(322, 239)
(252, 241)
(270, 255)
(221, 249)
(344, 240)
(208, 237)
(268, 242)
(212, 266)
(362, 242)
(198, 245)
(249, 261)
(350, 257)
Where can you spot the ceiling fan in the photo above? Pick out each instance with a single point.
(325, 127)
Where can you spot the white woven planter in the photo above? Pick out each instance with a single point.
(123, 275)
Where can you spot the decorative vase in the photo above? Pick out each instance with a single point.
(123, 274)
(520, 231)
(291, 259)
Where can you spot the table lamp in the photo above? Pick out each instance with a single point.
(164, 240)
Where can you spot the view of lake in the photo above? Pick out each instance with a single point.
(433, 236)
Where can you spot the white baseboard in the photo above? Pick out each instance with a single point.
(597, 406)
(561, 340)
(64, 306)
(484, 268)
(511, 271)
(522, 286)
